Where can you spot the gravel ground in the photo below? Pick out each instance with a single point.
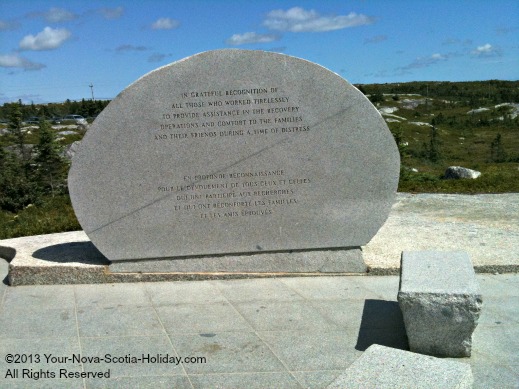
(486, 226)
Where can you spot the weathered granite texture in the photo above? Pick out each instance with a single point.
(234, 151)
(440, 302)
(384, 367)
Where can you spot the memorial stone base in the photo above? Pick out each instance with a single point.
(347, 260)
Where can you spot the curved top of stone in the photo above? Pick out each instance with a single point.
(234, 151)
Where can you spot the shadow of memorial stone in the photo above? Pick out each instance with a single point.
(78, 252)
(382, 323)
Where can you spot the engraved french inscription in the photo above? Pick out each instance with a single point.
(246, 192)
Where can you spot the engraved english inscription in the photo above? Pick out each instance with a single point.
(232, 112)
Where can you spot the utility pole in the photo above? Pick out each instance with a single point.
(92, 90)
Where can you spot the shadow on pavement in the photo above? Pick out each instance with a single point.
(382, 323)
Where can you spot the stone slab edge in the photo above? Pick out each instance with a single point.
(73, 274)
(67, 276)
(395, 271)
(384, 367)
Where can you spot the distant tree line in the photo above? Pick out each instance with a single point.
(473, 93)
(85, 108)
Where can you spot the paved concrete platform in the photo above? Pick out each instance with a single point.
(485, 226)
(298, 332)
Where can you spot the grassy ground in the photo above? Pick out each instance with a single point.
(465, 140)
(55, 214)
(494, 179)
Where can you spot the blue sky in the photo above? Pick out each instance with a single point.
(53, 50)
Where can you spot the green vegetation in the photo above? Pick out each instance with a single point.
(442, 124)
(33, 191)
(52, 214)
(50, 167)
(435, 125)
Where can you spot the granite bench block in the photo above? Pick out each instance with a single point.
(384, 367)
(440, 302)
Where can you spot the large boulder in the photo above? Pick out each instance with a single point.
(457, 172)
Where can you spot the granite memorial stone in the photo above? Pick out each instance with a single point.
(234, 152)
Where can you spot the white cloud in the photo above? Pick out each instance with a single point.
(297, 19)
(423, 62)
(279, 49)
(375, 39)
(6, 25)
(56, 15)
(158, 57)
(16, 61)
(127, 47)
(111, 13)
(59, 15)
(505, 30)
(165, 24)
(251, 37)
(451, 41)
(48, 39)
(487, 50)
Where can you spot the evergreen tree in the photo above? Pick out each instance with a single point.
(497, 151)
(45, 112)
(16, 189)
(361, 88)
(15, 130)
(432, 149)
(439, 119)
(50, 165)
(398, 134)
(376, 97)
